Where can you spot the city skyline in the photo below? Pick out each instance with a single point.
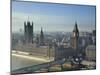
(57, 37)
(53, 17)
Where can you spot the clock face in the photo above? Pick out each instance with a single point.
(74, 34)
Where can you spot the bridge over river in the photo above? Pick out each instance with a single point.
(32, 69)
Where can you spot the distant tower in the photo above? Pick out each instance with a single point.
(28, 32)
(75, 37)
(37, 39)
(41, 41)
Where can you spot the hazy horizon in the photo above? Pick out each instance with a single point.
(53, 17)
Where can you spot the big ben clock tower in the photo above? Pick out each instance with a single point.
(75, 37)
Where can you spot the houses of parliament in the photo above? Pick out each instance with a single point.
(42, 48)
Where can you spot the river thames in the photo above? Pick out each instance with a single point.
(21, 62)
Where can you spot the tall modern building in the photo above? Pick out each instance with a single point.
(75, 37)
(28, 32)
(94, 37)
(94, 32)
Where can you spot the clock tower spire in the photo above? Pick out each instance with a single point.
(75, 37)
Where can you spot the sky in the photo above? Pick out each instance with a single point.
(53, 17)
